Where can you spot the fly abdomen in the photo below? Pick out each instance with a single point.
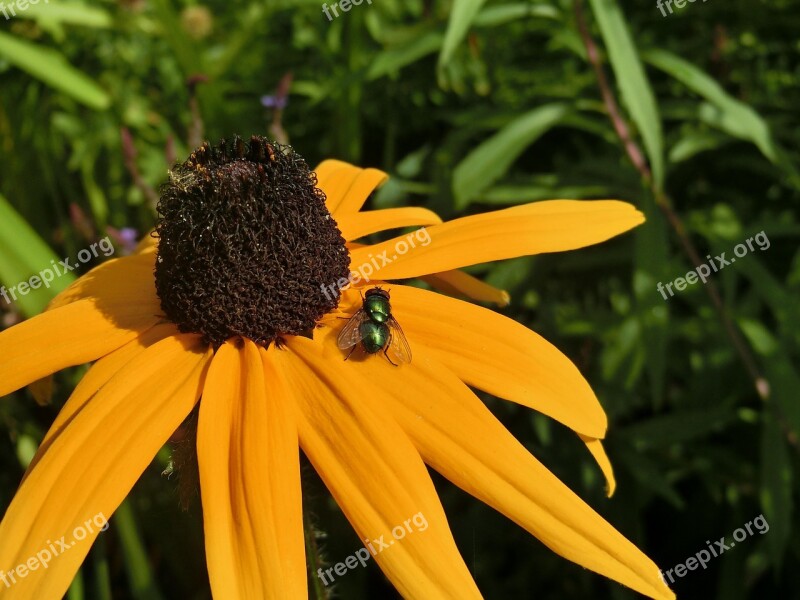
(374, 336)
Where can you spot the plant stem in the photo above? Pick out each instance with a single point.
(664, 202)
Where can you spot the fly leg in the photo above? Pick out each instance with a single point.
(386, 347)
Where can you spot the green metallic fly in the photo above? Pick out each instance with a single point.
(376, 329)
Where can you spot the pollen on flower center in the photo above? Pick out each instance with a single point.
(246, 244)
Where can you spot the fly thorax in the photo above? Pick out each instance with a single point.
(378, 308)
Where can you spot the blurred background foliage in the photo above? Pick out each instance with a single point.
(471, 105)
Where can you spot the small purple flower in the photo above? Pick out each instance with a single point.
(275, 101)
(125, 237)
(128, 235)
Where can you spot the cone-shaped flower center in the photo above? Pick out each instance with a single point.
(246, 244)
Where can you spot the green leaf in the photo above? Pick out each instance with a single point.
(461, 17)
(649, 476)
(632, 80)
(772, 293)
(776, 487)
(650, 259)
(694, 142)
(394, 58)
(143, 585)
(68, 13)
(493, 16)
(52, 68)
(97, 199)
(189, 56)
(521, 194)
(723, 111)
(468, 13)
(22, 255)
(784, 381)
(678, 428)
(77, 589)
(491, 160)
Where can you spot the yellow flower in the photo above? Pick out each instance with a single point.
(368, 427)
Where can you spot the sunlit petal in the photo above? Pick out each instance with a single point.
(459, 283)
(548, 226)
(121, 281)
(250, 480)
(94, 462)
(498, 355)
(375, 475)
(74, 334)
(355, 225)
(99, 375)
(458, 436)
(347, 187)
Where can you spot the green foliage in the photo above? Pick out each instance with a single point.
(470, 105)
(24, 254)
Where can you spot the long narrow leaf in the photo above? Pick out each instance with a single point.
(632, 80)
(68, 13)
(24, 254)
(461, 17)
(491, 160)
(729, 114)
(52, 68)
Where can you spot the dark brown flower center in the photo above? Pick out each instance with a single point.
(247, 245)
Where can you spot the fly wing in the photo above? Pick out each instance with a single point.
(398, 347)
(350, 334)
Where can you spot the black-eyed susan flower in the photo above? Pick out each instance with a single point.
(237, 306)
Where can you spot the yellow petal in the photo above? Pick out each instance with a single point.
(548, 226)
(64, 337)
(150, 240)
(347, 187)
(458, 436)
(355, 225)
(598, 452)
(329, 167)
(94, 462)
(99, 375)
(127, 281)
(460, 283)
(248, 454)
(498, 355)
(375, 475)
(124, 282)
